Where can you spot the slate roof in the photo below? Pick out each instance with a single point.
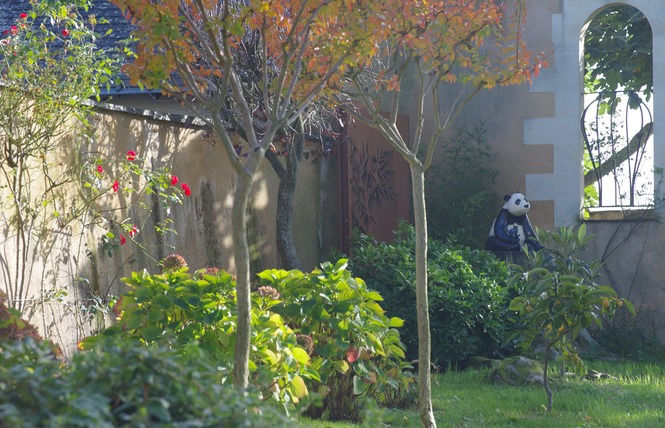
(9, 12)
(121, 30)
(104, 10)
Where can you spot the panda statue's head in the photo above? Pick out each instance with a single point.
(516, 204)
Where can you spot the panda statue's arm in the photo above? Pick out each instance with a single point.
(528, 229)
(531, 240)
(501, 228)
(503, 240)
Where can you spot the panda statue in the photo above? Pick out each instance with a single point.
(511, 229)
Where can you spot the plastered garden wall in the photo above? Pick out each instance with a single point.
(67, 266)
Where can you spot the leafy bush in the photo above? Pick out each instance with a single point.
(180, 309)
(468, 294)
(457, 198)
(33, 393)
(559, 296)
(158, 385)
(121, 383)
(354, 346)
(14, 328)
(323, 330)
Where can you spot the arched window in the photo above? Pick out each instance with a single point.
(617, 121)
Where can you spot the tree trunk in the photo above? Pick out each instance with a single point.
(286, 246)
(288, 177)
(422, 305)
(241, 254)
(546, 383)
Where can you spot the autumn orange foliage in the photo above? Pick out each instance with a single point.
(309, 45)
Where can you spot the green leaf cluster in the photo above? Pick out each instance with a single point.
(559, 295)
(468, 294)
(355, 347)
(457, 196)
(618, 51)
(121, 383)
(180, 310)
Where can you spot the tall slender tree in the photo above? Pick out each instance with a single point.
(428, 46)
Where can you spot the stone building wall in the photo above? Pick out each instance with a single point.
(535, 131)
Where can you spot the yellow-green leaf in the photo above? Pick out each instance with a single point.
(396, 322)
(374, 296)
(300, 355)
(298, 387)
(341, 366)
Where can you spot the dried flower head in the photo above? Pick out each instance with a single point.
(15, 328)
(173, 262)
(268, 291)
(306, 342)
(211, 271)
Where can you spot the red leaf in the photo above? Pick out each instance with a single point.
(352, 354)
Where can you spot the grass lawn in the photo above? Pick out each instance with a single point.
(636, 398)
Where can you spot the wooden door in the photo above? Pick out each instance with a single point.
(376, 183)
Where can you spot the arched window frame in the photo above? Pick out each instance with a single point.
(617, 125)
(562, 186)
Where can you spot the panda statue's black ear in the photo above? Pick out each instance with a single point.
(506, 198)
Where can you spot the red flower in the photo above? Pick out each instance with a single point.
(65, 32)
(116, 185)
(133, 231)
(174, 180)
(23, 15)
(186, 189)
(100, 169)
(13, 30)
(131, 155)
(122, 239)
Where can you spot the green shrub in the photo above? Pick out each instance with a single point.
(33, 392)
(559, 297)
(122, 383)
(323, 332)
(625, 339)
(180, 309)
(153, 386)
(468, 295)
(355, 347)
